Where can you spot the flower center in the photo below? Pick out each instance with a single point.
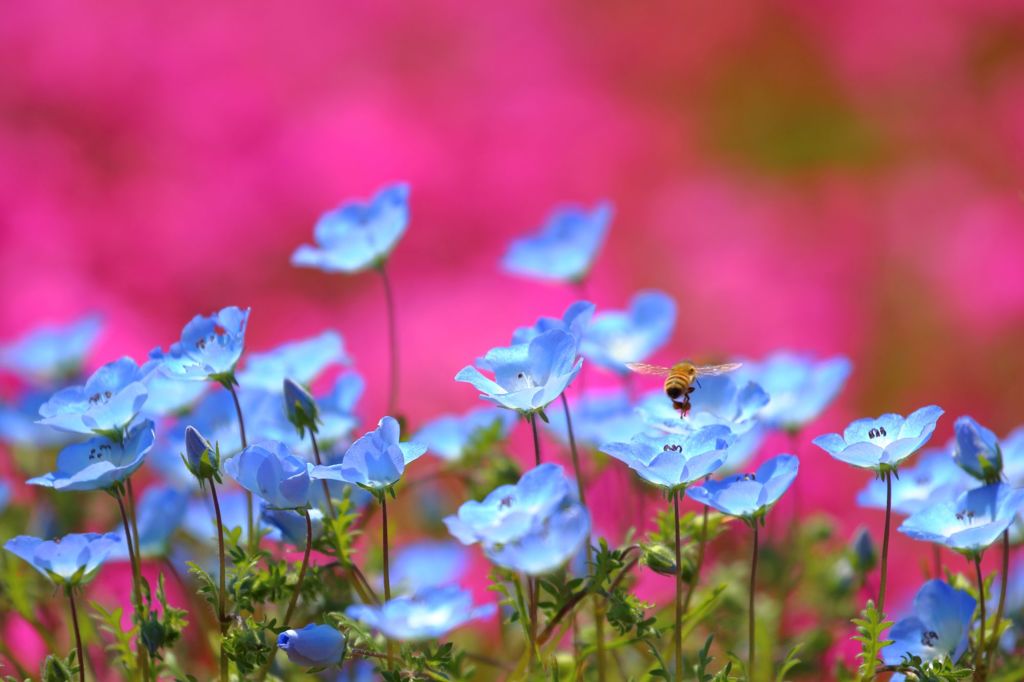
(673, 448)
(929, 637)
(99, 451)
(875, 433)
(98, 397)
(505, 502)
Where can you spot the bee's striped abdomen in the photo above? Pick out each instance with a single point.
(676, 384)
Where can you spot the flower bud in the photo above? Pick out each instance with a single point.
(863, 554)
(659, 558)
(201, 458)
(314, 646)
(977, 451)
(300, 406)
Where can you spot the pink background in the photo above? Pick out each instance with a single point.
(836, 177)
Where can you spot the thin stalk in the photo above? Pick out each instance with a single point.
(536, 438)
(753, 583)
(531, 589)
(598, 611)
(386, 561)
(78, 635)
(979, 671)
(885, 543)
(700, 561)
(1002, 597)
(677, 640)
(222, 619)
(389, 298)
(133, 558)
(249, 523)
(323, 481)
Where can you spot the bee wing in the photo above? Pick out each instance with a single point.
(714, 370)
(644, 368)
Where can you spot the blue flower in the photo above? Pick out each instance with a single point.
(314, 646)
(20, 427)
(527, 376)
(301, 361)
(168, 395)
(161, 509)
(935, 478)
(938, 628)
(291, 525)
(428, 563)
(209, 347)
(883, 442)
(970, 523)
(749, 496)
(574, 321)
(106, 404)
(674, 461)
(450, 436)
(977, 450)
(549, 545)
(617, 337)
(200, 522)
(300, 408)
(800, 386)
(564, 248)
(376, 460)
(357, 235)
(427, 615)
(338, 409)
(72, 559)
(510, 511)
(51, 352)
(99, 463)
(201, 457)
(270, 471)
(599, 417)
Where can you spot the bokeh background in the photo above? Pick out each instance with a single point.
(840, 177)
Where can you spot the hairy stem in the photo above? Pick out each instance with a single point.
(133, 558)
(536, 438)
(222, 619)
(979, 670)
(78, 635)
(245, 443)
(386, 560)
(753, 584)
(885, 543)
(677, 640)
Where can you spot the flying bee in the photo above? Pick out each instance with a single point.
(680, 378)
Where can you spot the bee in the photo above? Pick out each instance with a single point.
(680, 378)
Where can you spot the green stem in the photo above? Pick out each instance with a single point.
(327, 489)
(1002, 598)
(979, 671)
(531, 589)
(885, 543)
(133, 558)
(700, 561)
(78, 635)
(386, 561)
(678, 632)
(222, 619)
(389, 298)
(249, 522)
(536, 438)
(753, 583)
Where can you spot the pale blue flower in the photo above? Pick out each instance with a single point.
(527, 376)
(615, 338)
(430, 614)
(599, 416)
(574, 321)
(105, 405)
(800, 386)
(938, 627)
(428, 563)
(881, 443)
(674, 461)
(450, 436)
(160, 511)
(290, 526)
(749, 496)
(934, 478)
(209, 348)
(301, 361)
(99, 463)
(167, 395)
(273, 473)
(314, 646)
(357, 235)
(72, 559)
(20, 427)
(977, 450)
(50, 353)
(376, 460)
(549, 545)
(565, 247)
(970, 523)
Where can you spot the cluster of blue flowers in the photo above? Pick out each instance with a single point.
(245, 451)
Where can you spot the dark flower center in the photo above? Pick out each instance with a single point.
(673, 448)
(505, 502)
(100, 451)
(875, 433)
(97, 398)
(929, 637)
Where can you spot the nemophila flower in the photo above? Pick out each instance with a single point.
(977, 450)
(159, 513)
(801, 386)
(357, 235)
(574, 321)
(527, 376)
(564, 248)
(510, 511)
(1012, 447)
(429, 614)
(300, 407)
(674, 461)
(617, 337)
(970, 523)
(201, 457)
(550, 544)
(106, 404)
(70, 560)
(290, 526)
(376, 460)
(273, 473)
(314, 646)
(209, 348)
(167, 395)
(749, 496)
(337, 409)
(51, 352)
(934, 478)
(428, 563)
(20, 427)
(881, 443)
(599, 416)
(938, 627)
(100, 462)
(451, 436)
(301, 361)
